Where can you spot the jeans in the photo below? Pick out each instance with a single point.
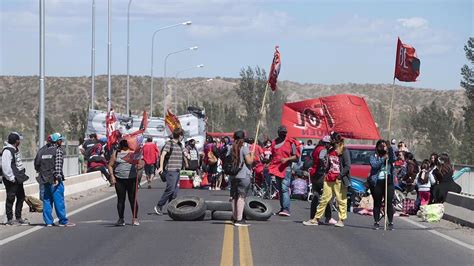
(124, 187)
(268, 181)
(14, 190)
(284, 190)
(378, 193)
(102, 169)
(171, 190)
(54, 196)
(41, 191)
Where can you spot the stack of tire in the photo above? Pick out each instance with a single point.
(191, 208)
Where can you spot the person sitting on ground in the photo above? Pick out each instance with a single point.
(96, 160)
(423, 181)
(150, 157)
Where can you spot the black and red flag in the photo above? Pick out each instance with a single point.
(274, 69)
(407, 65)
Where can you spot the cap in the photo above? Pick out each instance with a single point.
(326, 139)
(282, 129)
(56, 137)
(14, 137)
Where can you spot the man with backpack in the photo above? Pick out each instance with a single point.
(285, 150)
(172, 160)
(13, 175)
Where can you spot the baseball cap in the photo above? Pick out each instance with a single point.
(14, 137)
(282, 129)
(326, 139)
(56, 137)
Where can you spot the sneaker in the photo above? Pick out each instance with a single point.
(284, 213)
(23, 221)
(158, 210)
(331, 221)
(120, 222)
(390, 227)
(49, 225)
(376, 226)
(10, 222)
(136, 223)
(68, 224)
(241, 223)
(311, 222)
(339, 223)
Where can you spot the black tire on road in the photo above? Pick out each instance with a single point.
(214, 205)
(222, 215)
(189, 208)
(257, 209)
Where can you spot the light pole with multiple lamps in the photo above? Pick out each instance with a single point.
(194, 48)
(128, 57)
(187, 23)
(176, 80)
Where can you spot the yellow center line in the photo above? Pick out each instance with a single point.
(245, 249)
(227, 257)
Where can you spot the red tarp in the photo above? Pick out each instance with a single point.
(220, 134)
(346, 114)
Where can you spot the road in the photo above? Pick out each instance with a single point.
(281, 241)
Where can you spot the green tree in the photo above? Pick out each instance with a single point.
(467, 82)
(275, 103)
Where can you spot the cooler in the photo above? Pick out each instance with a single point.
(186, 179)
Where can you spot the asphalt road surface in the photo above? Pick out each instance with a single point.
(281, 241)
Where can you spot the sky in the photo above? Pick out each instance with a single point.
(326, 42)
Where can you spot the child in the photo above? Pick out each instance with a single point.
(424, 180)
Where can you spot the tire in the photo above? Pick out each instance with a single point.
(398, 198)
(257, 209)
(187, 208)
(222, 215)
(214, 205)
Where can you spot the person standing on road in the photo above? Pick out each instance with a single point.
(52, 176)
(443, 174)
(124, 176)
(240, 183)
(423, 181)
(378, 174)
(285, 150)
(12, 168)
(172, 160)
(150, 156)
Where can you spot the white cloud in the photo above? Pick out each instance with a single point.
(413, 23)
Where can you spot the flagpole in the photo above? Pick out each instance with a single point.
(136, 196)
(260, 118)
(386, 162)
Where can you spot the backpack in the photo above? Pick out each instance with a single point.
(88, 148)
(230, 165)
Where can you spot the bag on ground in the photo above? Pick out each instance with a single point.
(432, 213)
(35, 204)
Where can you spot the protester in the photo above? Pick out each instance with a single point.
(150, 157)
(171, 162)
(411, 171)
(240, 183)
(317, 172)
(309, 143)
(285, 150)
(345, 166)
(400, 166)
(266, 158)
(402, 146)
(96, 160)
(193, 156)
(211, 157)
(377, 179)
(333, 184)
(393, 143)
(52, 176)
(423, 181)
(443, 175)
(433, 161)
(13, 178)
(124, 177)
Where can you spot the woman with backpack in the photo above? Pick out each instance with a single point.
(239, 167)
(423, 181)
(124, 176)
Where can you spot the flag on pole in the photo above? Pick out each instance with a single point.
(172, 121)
(407, 65)
(135, 141)
(111, 129)
(275, 69)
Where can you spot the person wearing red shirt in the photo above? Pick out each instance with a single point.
(150, 156)
(285, 150)
(257, 163)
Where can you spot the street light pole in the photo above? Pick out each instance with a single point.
(128, 57)
(194, 48)
(41, 73)
(93, 57)
(187, 23)
(109, 57)
(176, 80)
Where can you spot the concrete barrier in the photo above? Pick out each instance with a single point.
(72, 185)
(459, 208)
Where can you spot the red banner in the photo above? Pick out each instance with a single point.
(346, 114)
(274, 69)
(112, 132)
(407, 65)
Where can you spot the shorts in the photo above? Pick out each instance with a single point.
(149, 169)
(239, 187)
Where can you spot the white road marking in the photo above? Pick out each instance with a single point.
(452, 239)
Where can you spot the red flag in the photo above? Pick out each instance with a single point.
(346, 114)
(111, 129)
(407, 65)
(275, 69)
(172, 121)
(143, 125)
(135, 141)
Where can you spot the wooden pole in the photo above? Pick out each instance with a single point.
(386, 162)
(136, 196)
(260, 118)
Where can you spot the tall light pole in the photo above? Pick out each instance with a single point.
(128, 57)
(187, 23)
(41, 73)
(176, 79)
(93, 57)
(109, 57)
(194, 48)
